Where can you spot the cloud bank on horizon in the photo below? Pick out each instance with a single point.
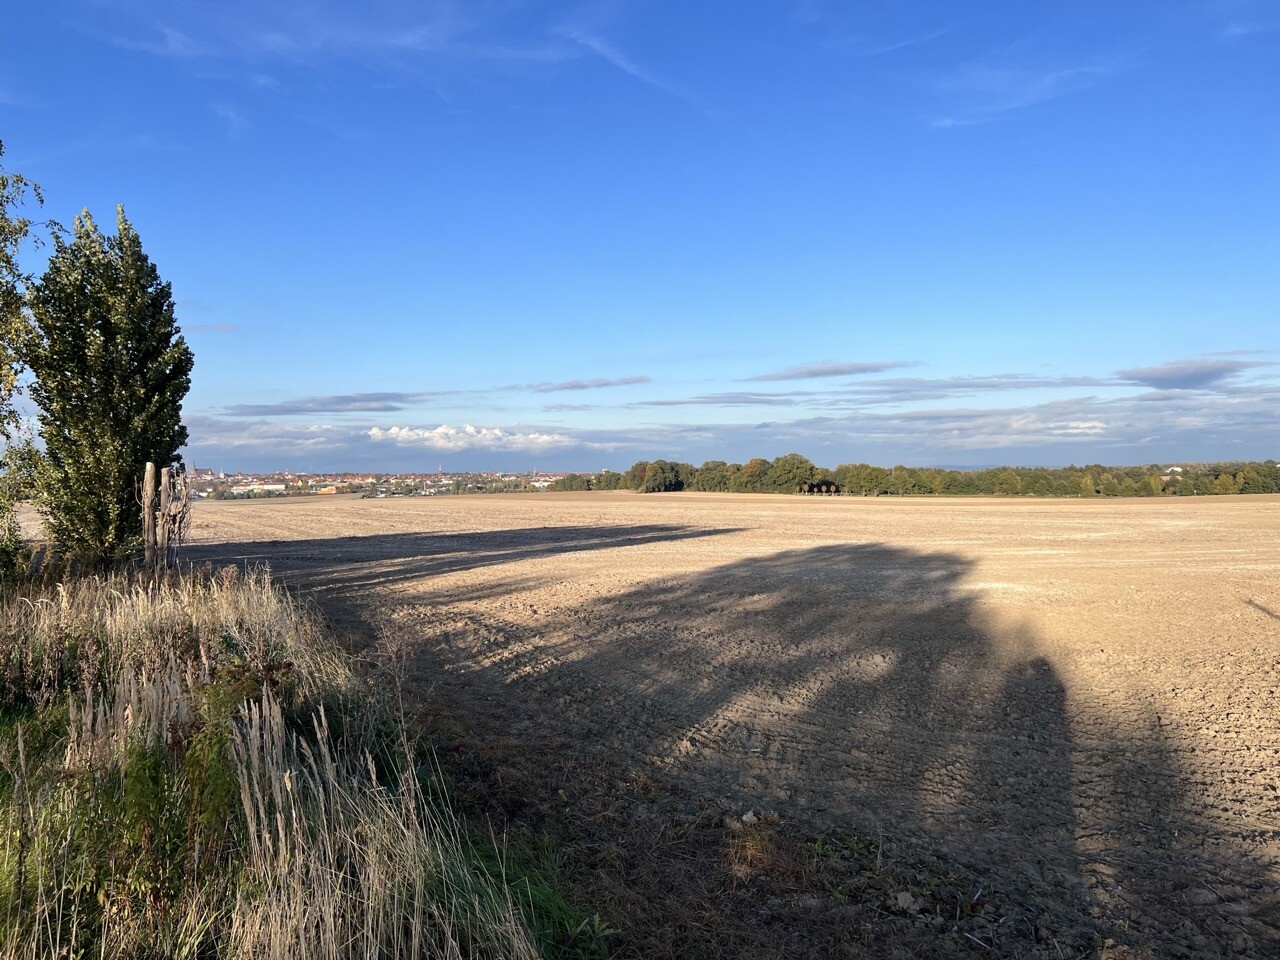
(1220, 407)
(573, 236)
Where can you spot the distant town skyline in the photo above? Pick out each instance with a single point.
(570, 236)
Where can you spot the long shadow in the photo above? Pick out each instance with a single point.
(863, 690)
(346, 563)
(855, 690)
(1263, 609)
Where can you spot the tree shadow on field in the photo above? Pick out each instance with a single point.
(862, 691)
(1263, 609)
(859, 691)
(350, 563)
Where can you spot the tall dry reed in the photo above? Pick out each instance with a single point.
(189, 797)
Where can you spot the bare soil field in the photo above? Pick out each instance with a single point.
(954, 727)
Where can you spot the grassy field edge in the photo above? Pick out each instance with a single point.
(191, 767)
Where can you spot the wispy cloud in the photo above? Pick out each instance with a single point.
(133, 143)
(392, 401)
(1209, 407)
(569, 407)
(884, 391)
(596, 384)
(1247, 28)
(988, 89)
(1171, 425)
(1233, 420)
(381, 35)
(745, 399)
(808, 11)
(165, 41)
(619, 60)
(830, 368)
(233, 438)
(386, 402)
(1193, 374)
(904, 390)
(234, 119)
(867, 49)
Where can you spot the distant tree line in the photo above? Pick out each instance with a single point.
(794, 473)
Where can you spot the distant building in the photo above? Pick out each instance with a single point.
(244, 489)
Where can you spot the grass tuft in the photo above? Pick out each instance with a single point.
(189, 768)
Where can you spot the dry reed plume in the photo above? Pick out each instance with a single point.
(174, 785)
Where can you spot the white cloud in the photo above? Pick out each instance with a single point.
(1197, 409)
(445, 437)
(284, 438)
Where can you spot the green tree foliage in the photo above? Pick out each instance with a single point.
(634, 477)
(903, 481)
(608, 480)
(15, 230)
(789, 472)
(664, 476)
(753, 477)
(571, 483)
(1252, 481)
(111, 372)
(1226, 483)
(1038, 484)
(1008, 483)
(861, 479)
(713, 476)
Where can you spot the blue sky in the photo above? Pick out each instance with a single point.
(573, 235)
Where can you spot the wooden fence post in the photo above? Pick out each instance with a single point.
(149, 517)
(162, 541)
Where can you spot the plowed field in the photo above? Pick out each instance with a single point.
(1011, 727)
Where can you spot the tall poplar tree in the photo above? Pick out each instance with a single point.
(111, 371)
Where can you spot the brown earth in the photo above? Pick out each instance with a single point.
(963, 726)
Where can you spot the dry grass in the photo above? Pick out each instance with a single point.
(192, 771)
(62, 637)
(756, 848)
(339, 865)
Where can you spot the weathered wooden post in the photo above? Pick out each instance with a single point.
(149, 517)
(162, 541)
